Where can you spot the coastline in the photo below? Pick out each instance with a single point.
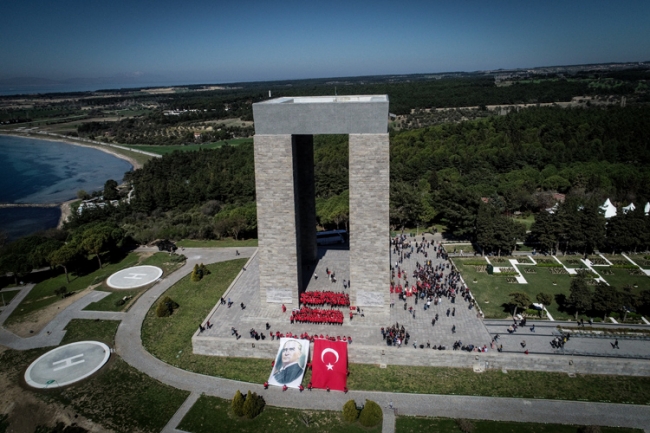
(42, 136)
(65, 207)
(66, 211)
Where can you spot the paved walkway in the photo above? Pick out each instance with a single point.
(128, 344)
(538, 342)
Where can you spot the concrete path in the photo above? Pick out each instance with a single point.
(128, 344)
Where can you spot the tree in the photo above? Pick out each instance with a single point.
(580, 296)
(371, 414)
(63, 257)
(238, 404)
(100, 238)
(545, 299)
(110, 190)
(606, 299)
(253, 405)
(350, 411)
(543, 232)
(519, 300)
(82, 195)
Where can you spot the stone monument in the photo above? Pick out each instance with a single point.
(286, 211)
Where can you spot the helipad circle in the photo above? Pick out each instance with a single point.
(67, 364)
(131, 278)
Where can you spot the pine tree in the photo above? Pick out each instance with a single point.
(238, 404)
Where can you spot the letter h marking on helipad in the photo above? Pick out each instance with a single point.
(68, 362)
(134, 276)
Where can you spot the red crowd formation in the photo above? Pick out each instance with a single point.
(312, 315)
(321, 298)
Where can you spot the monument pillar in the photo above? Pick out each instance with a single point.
(369, 170)
(276, 217)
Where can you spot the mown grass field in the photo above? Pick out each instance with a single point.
(212, 414)
(492, 291)
(408, 424)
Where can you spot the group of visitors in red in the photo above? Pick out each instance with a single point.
(327, 297)
(318, 316)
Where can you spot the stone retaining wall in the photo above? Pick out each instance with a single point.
(360, 354)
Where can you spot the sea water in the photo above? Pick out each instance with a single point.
(41, 171)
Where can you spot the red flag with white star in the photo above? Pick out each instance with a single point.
(330, 365)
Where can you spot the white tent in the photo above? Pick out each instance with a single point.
(609, 209)
(629, 208)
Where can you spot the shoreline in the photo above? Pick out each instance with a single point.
(66, 211)
(64, 207)
(42, 136)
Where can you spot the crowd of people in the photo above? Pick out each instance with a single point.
(395, 335)
(318, 316)
(311, 338)
(334, 299)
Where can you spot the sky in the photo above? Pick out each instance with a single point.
(245, 40)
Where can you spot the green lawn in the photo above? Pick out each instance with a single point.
(212, 414)
(118, 397)
(622, 278)
(494, 383)
(221, 243)
(163, 150)
(572, 261)
(169, 338)
(6, 297)
(42, 295)
(409, 424)
(492, 291)
(110, 303)
(526, 221)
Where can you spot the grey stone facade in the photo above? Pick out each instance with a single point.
(286, 210)
(369, 208)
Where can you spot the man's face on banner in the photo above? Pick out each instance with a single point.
(291, 352)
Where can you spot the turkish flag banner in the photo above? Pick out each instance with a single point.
(330, 365)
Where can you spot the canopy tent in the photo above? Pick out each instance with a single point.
(609, 209)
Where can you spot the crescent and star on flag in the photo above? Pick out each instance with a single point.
(322, 355)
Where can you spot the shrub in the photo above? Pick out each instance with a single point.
(465, 425)
(196, 273)
(238, 404)
(61, 291)
(166, 307)
(177, 258)
(589, 429)
(371, 414)
(253, 405)
(545, 299)
(199, 272)
(350, 411)
(121, 302)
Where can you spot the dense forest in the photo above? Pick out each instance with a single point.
(467, 176)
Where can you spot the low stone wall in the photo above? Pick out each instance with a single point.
(360, 354)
